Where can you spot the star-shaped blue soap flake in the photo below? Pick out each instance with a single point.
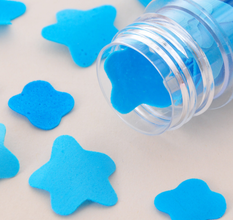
(74, 175)
(42, 104)
(10, 10)
(9, 164)
(192, 200)
(84, 32)
(135, 81)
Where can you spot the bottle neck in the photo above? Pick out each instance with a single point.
(177, 50)
(209, 23)
(195, 60)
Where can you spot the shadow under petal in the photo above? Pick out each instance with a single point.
(88, 204)
(4, 30)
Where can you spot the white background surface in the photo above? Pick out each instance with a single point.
(146, 165)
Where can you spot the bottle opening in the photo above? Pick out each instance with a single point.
(135, 89)
(171, 64)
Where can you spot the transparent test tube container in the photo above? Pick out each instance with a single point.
(193, 39)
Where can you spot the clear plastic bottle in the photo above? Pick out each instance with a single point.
(194, 40)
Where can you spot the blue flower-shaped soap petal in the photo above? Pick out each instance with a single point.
(10, 10)
(9, 164)
(135, 81)
(84, 32)
(145, 2)
(191, 200)
(42, 104)
(74, 175)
